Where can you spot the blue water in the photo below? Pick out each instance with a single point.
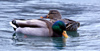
(87, 12)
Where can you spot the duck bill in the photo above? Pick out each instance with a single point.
(65, 34)
(47, 16)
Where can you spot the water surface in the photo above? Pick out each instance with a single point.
(87, 12)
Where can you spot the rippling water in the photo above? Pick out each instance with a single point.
(87, 12)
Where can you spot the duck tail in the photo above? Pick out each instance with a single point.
(78, 24)
(13, 24)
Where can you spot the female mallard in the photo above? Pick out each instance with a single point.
(54, 15)
(39, 27)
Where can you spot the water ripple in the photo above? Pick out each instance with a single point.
(85, 39)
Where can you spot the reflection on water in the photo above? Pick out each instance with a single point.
(73, 33)
(56, 42)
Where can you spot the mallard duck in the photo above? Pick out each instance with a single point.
(39, 27)
(55, 15)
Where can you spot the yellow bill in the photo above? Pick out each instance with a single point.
(65, 34)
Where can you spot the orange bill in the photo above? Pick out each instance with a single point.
(41, 17)
(65, 34)
(44, 16)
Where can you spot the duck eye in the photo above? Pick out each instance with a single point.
(53, 12)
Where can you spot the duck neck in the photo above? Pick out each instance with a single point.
(54, 20)
(56, 34)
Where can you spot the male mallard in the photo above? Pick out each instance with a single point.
(54, 15)
(39, 27)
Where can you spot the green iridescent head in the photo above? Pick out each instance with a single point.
(59, 27)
